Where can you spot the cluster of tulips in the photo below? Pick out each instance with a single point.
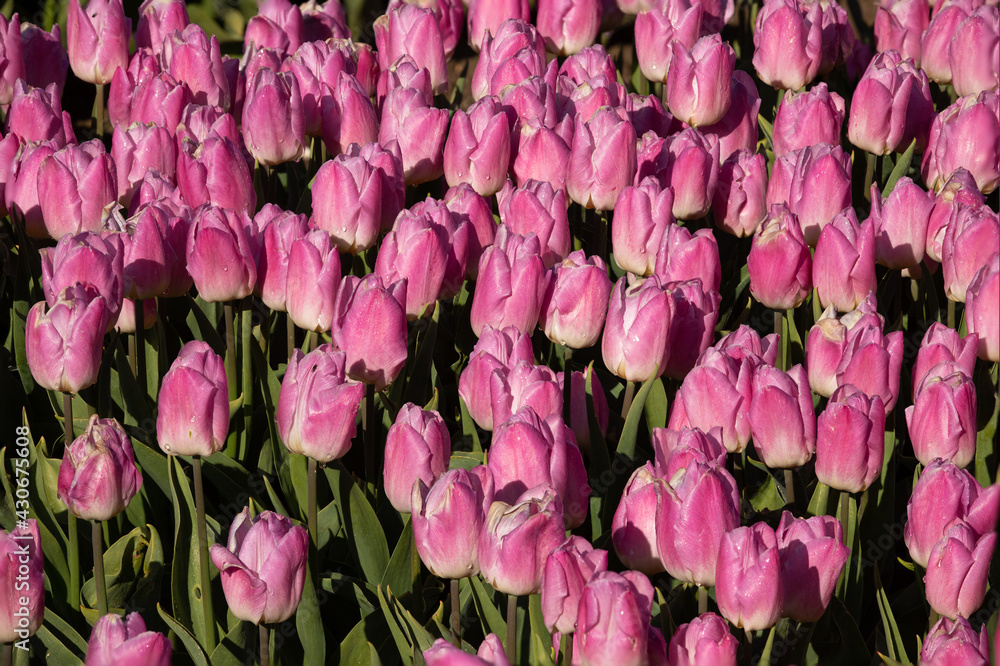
(585, 307)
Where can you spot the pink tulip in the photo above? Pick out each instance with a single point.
(942, 420)
(575, 303)
(812, 554)
(568, 27)
(138, 149)
(969, 242)
(951, 643)
(448, 518)
(215, 172)
(63, 342)
(779, 262)
(220, 254)
(458, 238)
(730, 381)
(634, 345)
(443, 653)
(738, 129)
(280, 229)
(538, 208)
(900, 222)
(12, 65)
(697, 86)
(157, 20)
(477, 150)
(746, 343)
(613, 621)
(75, 186)
(850, 440)
(602, 159)
(966, 134)
(417, 449)
(942, 344)
(542, 153)
(706, 639)
(974, 50)
(749, 561)
(641, 216)
(955, 198)
(496, 349)
(843, 268)
(633, 529)
(693, 172)
(655, 30)
(193, 415)
(414, 31)
(788, 43)
(466, 205)
(347, 115)
(808, 118)
(148, 256)
(738, 204)
(674, 450)
(891, 106)
(782, 420)
(194, 58)
(513, 42)
(273, 125)
(955, 582)
(347, 202)
(419, 129)
(120, 641)
(937, 36)
(313, 273)
(899, 25)
(982, 310)
(815, 183)
(415, 250)
(567, 571)
(510, 289)
(98, 476)
(374, 355)
(97, 39)
(36, 114)
(486, 19)
(683, 256)
(90, 259)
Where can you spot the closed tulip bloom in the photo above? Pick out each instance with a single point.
(21, 563)
(782, 420)
(280, 230)
(937, 36)
(443, 653)
(273, 125)
(704, 640)
(974, 50)
(313, 274)
(717, 392)
(86, 258)
(486, 19)
(45, 60)
(749, 587)
(872, 362)
(634, 345)
(97, 39)
(458, 238)
(148, 255)
(700, 506)
(683, 256)
(825, 344)
(215, 172)
(788, 42)
(477, 150)
(843, 266)
(575, 304)
(969, 242)
(510, 289)
(901, 224)
(159, 100)
(11, 58)
(738, 130)
(415, 250)
(655, 31)
(738, 205)
(157, 20)
(262, 566)
(982, 310)
(98, 476)
(967, 135)
(116, 640)
(641, 216)
(697, 86)
(347, 115)
(194, 58)
(75, 185)
(508, 39)
(525, 96)
(955, 581)
(414, 31)
(35, 114)
(286, 17)
(63, 342)
(318, 405)
(954, 643)
(812, 554)
(612, 624)
(692, 172)
(138, 149)
(633, 529)
(193, 415)
(538, 208)
(420, 131)
(941, 344)
(388, 164)
(692, 325)
(676, 449)
(516, 540)
(348, 202)
(942, 420)
(417, 448)
(602, 159)
(567, 571)
(542, 153)
(815, 183)
(496, 349)
(448, 518)
(958, 194)
(891, 106)
(808, 118)
(779, 262)
(363, 306)
(220, 256)
(568, 27)
(850, 440)
(899, 24)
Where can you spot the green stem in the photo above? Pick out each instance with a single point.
(99, 110)
(869, 175)
(140, 345)
(602, 234)
(74, 563)
(790, 487)
(567, 385)
(246, 338)
(68, 418)
(290, 334)
(932, 619)
(566, 647)
(97, 536)
(206, 580)
(311, 499)
(779, 317)
(21, 657)
(951, 314)
(456, 614)
(702, 600)
(232, 441)
(133, 363)
(368, 421)
(265, 647)
(627, 404)
(511, 644)
(765, 657)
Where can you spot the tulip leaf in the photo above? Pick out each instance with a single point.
(466, 459)
(541, 639)
(190, 643)
(19, 319)
(276, 502)
(270, 387)
(655, 409)
(365, 534)
(626, 444)
(309, 623)
(202, 327)
(767, 497)
(900, 170)
(493, 622)
(404, 565)
(985, 447)
(56, 652)
(356, 649)
(820, 500)
(62, 631)
(894, 639)
(469, 427)
(132, 569)
(401, 625)
(765, 126)
(765, 656)
(234, 648)
(235, 405)
(136, 410)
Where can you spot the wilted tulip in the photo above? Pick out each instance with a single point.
(955, 581)
(448, 518)
(193, 415)
(220, 256)
(21, 563)
(313, 273)
(779, 263)
(881, 126)
(812, 554)
(704, 640)
(477, 150)
(273, 124)
(75, 186)
(370, 327)
(633, 529)
(843, 266)
(955, 642)
(97, 39)
(612, 624)
(262, 567)
(318, 405)
(567, 571)
(815, 183)
(850, 440)
(575, 303)
(782, 419)
(899, 25)
(967, 135)
(981, 308)
(118, 641)
(700, 506)
(808, 118)
(215, 172)
(749, 561)
(941, 421)
(516, 540)
(788, 43)
(738, 204)
(697, 86)
(602, 159)
(417, 449)
(63, 342)
(98, 476)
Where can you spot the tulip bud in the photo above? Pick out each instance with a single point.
(516, 540)
(899, 25)
(468, 206)
(510, 285)
(812, 554)
(941, 344)
(602, 159)
(36, 114)
(657, 28)
(215, 172)
(782, 420)
(613, 620)
(568, 27)
(969, 242)
(635, 335)
(263, 566)
(850, 440)
(674, 450)
(97, 39)
(63, 343)
(575, 304)
(692, 325)
(746, 343)
(955, 642)
(957, 198)
(730, 382)
(220, 257)
(955, 581)
(685, 256)
(115, 640)
(98, 476)
(749, 560)
(45, 60)
(273, 125)
(148, 256)
(496, 349)
(703, 640)
(370, 327)
(75, 186)
(843, 267)
(312, 279)
(417, 449)
(193, 416)
(779, 262)
(448, 518)
(815, 184)
(880, 127)
(872, 361)
(808, 118)
(788, 43)
(347, 202)
(415, 250)
(937, 36)
(135, 151)
(942, 421)
(488, 22)
(633, 530)
(697, 86)
(12, 67)
(981, 309)
(567, 571)
(21, 563)
(738, 204)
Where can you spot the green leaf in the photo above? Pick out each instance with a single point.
(902, 166)
(656, 406)
(356, 649)
(541, 639)
(133, 566)
(365, 534)
(466, 459)
(237, 647)
(400, 574)
(309, 624)
(765, 657)
(986, 442)
(469, 427)
(493, 621)
(767, 497)
(626, 444)
(190, 643)
(62, 642)
(895, 644)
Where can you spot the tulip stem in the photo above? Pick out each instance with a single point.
(566, 647)
(311, 499)
(368, 421)
(869, 176)
(206, 581)
(951, 314)
(456, 614)
(74, 563)
(97, 536)
(790, 487)
(99, 111)
(246, 338)
(567, 384)
(602, 234)
(8, 649)
(140, 345)
(627, 404)
(779, 330)
(702, 600)
(68, 418)
(265, 651)
(232, 441)
(290, 334)
(932, 619)
(511, 644)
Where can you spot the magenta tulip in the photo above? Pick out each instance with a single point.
(705, 639)
(116, 641)
(193, 416)
(374, 355)
(697, 86)
(850, 440)
(981, 307)
(567, 571)
(843, 267)
(779, 263)
(633, 529)
(808, 118)
(575, 304)
(98, 476)
(967, 135)
(496, 349)
(97, 39)
(950, 643)
(812, 554)
(510, 289)
(220, 254)
(417, 449)
(538, 208)
(738, 205)
(749, 560)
